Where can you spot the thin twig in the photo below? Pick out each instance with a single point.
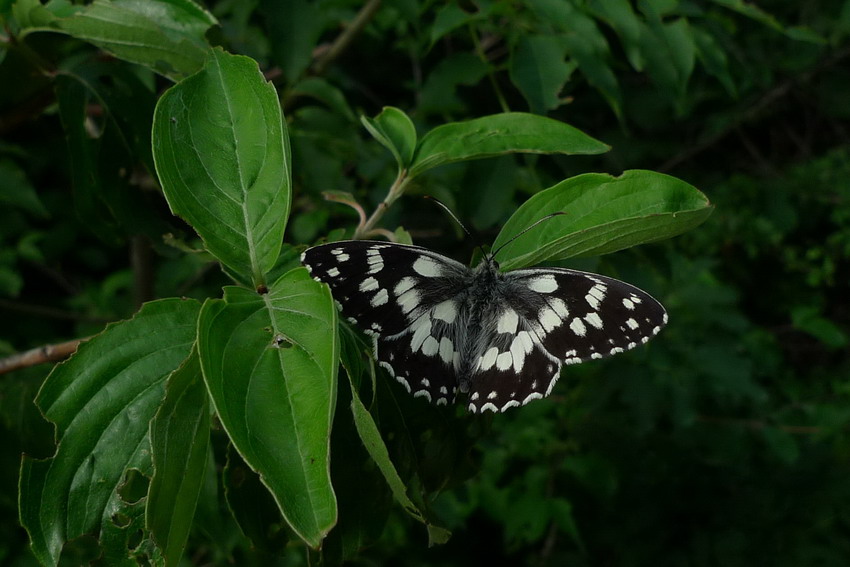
(40, 355)
(767, 100)
(758, 425)
(346, 37)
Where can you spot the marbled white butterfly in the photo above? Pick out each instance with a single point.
(440, 327)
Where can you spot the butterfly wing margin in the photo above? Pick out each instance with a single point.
(401, 296)
(556, 316)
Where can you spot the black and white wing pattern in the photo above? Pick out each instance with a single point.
(398, 295)
(549, 317)
(500, 338)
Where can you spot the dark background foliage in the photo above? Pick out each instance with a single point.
(725, 442)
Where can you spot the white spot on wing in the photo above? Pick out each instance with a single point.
(445, 311)
(532, 396)
(409, 300)
(543, 284)
(333, 272)
(421, 332)
(446, 350)
(632, 324)
(422, 394)
(504, 361)
(430, 346)
(560, 307)
(369, 284)
(507, 322)
(404, 285)
(380, 298)
(549, 319)
(488, 359)
(578, 327)
(593, 319)
(427, 267)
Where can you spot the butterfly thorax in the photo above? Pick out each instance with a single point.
(485, 292)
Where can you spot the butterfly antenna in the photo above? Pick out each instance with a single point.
(526, 229)
(457, 220)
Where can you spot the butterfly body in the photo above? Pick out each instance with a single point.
(440, 327)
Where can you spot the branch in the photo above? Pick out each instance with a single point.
(40, 355)
(768, 99)
(346, 37)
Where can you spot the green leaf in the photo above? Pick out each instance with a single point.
(810, 320)
(222, 155)
(602, 214)
(323, 91)
(538, 69)
(497, 134)
(670, 51)
(394, 129)
(165, 35)
(270, 364)
(376, 448)
(18, 191)
(586, 45)
(620, 15)
(713, 58)
(101, 401)
(179, 446)
(248, 499)
(439, 93)
(294, 27)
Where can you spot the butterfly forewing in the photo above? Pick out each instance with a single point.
(439, 327)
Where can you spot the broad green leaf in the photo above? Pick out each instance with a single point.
(394, 129)
(270, 363)
(376, 448)
(180, 437)
(222, 155)
(538, 69)
(101, 401)
(601, 214)
(497, 134)
(165, 35)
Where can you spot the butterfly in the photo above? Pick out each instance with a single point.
(501, 339)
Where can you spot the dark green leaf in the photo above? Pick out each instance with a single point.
(165, 35)
(602, 214)
(270, 364)
(179, 441)
(538, 69)
(394, 129)
(371, 437)
(512, 132)
(222, 155)
(101, 402)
